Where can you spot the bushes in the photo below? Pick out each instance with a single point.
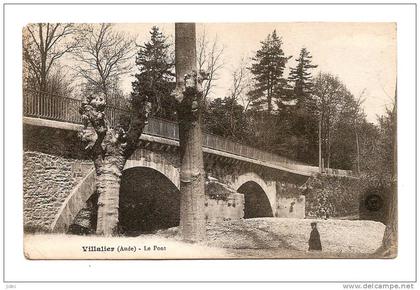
(332, 196)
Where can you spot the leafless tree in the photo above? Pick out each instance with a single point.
(329, 93)
(209, 59)
(103, 55)
(357, 116)
(43, 45)
(241, 84)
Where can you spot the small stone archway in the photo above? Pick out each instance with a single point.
(260, 197)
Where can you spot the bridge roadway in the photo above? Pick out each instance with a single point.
(60, 112)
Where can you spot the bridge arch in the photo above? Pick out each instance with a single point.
(77, 199)
(149, 200)
(167, 169)
(149, 193)
(260, 196)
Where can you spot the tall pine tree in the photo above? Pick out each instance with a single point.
(267, 69)
(302, 119)
(156, 77)
(301, 77)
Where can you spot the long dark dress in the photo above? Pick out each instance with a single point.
(315, 241)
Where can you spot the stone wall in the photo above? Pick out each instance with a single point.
(290, 203)
(332, 196)
(47, 181)
(222, 202)
(54, 162)
(220, 210)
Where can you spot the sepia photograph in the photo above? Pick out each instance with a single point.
(247, 140)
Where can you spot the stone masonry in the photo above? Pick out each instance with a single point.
(48, 179)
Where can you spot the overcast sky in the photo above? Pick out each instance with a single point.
(362, 55)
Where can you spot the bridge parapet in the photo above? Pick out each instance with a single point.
(64, 109)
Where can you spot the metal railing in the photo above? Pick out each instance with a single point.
(47, 106)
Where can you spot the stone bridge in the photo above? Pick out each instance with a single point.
(59, 177)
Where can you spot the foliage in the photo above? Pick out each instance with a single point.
(297, 122)
(155, 77)
(332, 196)
(377, 151)
(225, 117)
(333, 105)
(267, 68)
(291, 128)
(301, 77)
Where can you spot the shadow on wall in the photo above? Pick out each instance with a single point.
(85, 221)
(149, 201)
(256, 201)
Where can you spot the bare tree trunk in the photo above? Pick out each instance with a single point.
(43, 56)
(358, 153)
(108, 189)
(109, 148)
(328, 148)
(328, 141)
(188, 93)
(320, 144)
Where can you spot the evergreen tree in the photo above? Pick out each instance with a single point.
(267, 70)
(301, 76)
(302, 118)
(225, 117)
(156, 75)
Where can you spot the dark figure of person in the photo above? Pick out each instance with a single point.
(314, 239)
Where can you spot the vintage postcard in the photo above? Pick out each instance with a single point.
(209, 140)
